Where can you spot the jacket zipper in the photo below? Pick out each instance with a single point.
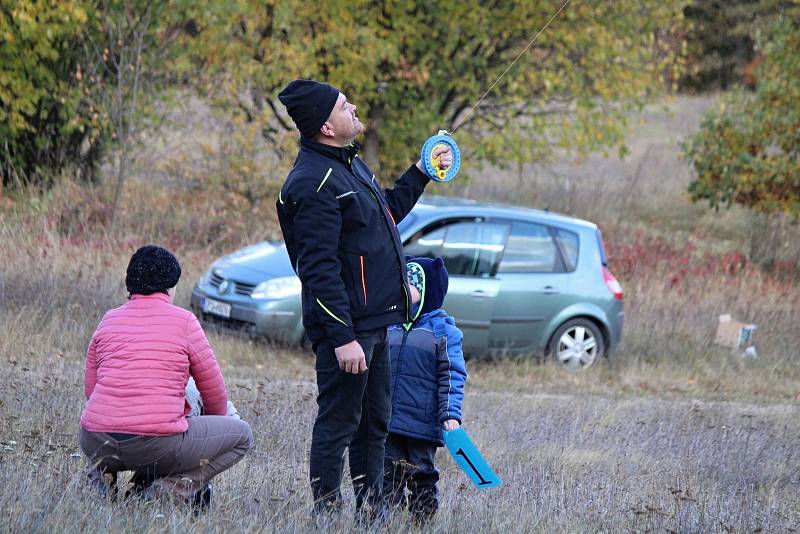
(402, 273)
(399, 364)
(363, 280)
(408, 301)
(402, 270)
(389, 213)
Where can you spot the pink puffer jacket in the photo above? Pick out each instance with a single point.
(137, 366)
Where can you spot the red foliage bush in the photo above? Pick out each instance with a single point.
(636, 256)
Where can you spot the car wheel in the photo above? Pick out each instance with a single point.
(577, 344)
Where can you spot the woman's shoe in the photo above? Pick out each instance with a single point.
(201, 501)
(139, 486)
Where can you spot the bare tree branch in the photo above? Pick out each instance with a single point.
(277, 116)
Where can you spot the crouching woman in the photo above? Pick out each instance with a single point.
(137, 367)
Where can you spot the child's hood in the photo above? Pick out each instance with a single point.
(430, 278)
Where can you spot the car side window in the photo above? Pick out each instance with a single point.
(426, 243)
(568, 242)
(468, 248)
(530, 249)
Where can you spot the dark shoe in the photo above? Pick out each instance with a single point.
(201, 501)
(421, 518)
(103, 483)
(372, 517)
(424, 507)
(138, 485)
(325, 513)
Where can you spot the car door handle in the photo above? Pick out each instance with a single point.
(480, 294)
(549, 290)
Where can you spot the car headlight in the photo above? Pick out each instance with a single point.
(206, 278)
(277, 288)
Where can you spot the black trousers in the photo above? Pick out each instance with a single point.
(410, 465)
(353, 411)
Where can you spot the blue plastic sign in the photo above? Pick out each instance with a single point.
(470, 460)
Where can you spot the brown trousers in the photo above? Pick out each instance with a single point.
(181, 463)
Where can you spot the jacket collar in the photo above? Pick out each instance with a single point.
(151, 297)
(344, 154)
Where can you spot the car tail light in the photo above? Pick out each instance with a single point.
(612, 283)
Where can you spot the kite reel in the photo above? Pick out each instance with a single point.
(431, 164)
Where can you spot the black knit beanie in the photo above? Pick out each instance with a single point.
(309, 104)
(152, 269)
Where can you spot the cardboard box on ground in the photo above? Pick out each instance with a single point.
(736, 335)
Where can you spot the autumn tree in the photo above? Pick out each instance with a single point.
(46, 121)
(126, 50)
(721, 39)
(748, 151)
(415, 67)
(72, 78)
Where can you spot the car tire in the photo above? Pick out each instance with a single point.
(577, 344)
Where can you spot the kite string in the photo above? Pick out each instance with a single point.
(465, 117)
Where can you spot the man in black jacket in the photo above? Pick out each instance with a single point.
(341, 235)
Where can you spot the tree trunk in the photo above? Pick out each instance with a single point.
(121, 170)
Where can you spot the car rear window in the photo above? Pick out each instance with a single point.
(568, 242)
(602, 246)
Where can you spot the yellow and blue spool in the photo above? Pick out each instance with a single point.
(431, 164)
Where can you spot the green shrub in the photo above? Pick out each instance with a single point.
(47, 119)
(748, 151)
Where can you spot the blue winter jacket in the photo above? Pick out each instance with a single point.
(428, 376)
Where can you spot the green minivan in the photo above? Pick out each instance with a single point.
(522, 281)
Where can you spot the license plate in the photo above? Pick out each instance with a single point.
(217, 308)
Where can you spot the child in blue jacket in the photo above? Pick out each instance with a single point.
(428, 376)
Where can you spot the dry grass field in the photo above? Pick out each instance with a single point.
(673, 434)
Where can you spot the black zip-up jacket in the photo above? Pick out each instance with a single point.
(341, 233)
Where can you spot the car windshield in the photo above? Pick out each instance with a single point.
(406, 222)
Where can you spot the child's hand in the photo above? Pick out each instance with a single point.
(451, 424)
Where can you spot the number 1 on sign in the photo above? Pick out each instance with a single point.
(469, 459)
(463, 454)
